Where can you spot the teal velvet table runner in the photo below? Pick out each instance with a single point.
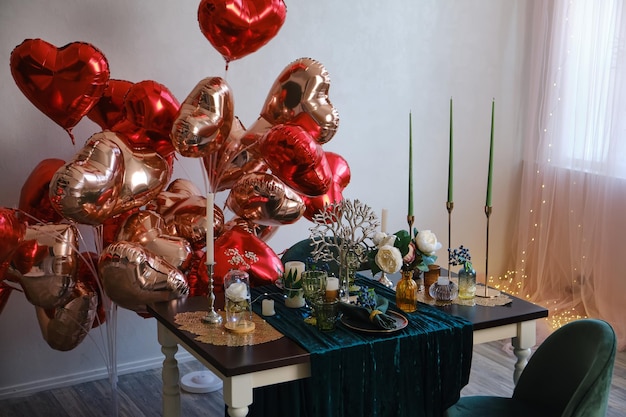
(416, 371)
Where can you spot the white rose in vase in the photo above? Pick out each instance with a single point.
(427, 243)
(237, 291)
(389, 259)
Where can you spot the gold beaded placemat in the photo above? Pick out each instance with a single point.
(500, 300)
(218, 335)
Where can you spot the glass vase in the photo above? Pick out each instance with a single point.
(237, 303)
(347, 270)
(467, 283)
(406, 292)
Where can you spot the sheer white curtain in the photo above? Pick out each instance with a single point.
(571, 243)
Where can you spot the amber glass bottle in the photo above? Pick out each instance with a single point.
(406, 292)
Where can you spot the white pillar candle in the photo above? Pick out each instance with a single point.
(383, 221)
(210, 251)
(295, 266)
(332, 288)
(267, 307)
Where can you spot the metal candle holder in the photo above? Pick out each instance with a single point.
(488, 292)
(449, 207)
(212, 317)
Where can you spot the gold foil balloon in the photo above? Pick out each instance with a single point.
(66, 327)
(204, 119)
(132, 276)
(264, 199)
(49, 281)
(107, 178)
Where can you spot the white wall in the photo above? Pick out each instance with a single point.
(385, 59)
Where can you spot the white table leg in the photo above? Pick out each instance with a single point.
(522, 344)
(170, 373)
(238, 395)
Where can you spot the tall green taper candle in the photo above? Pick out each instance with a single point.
(410, 213)
(450, 159)
(490, 174)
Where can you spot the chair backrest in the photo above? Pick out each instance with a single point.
(570, 372)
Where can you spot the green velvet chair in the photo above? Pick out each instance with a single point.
(569, 375)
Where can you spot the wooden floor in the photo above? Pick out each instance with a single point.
(139, 394)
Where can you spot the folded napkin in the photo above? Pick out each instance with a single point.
(376, 317)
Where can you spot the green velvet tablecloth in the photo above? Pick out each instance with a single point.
(417, 371)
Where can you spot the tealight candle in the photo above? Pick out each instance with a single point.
(443, 281)
(332, 288)
(267, 307)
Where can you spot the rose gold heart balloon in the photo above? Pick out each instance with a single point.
(107, 178)
(51, 278)
(237, 28)
(204, 120)
(66, 327)
(179, 189)
(132, 276)
(238, 249)
(64, 83)
(87, 275)
(148, 229)
(302, 87)
(188, 218)
(264, 199)
(297, 159)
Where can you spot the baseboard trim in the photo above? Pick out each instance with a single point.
(22, 390)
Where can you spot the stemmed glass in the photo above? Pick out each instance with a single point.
(314, 287)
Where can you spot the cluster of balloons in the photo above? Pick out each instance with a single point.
(152, 229)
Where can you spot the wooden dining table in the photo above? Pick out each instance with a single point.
(260, 374)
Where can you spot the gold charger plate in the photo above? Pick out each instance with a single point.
(366, 327)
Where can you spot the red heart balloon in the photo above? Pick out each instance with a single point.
(237, 28)
(297, 159)
(35, 197)
(147, 117)
(12, 231)
(341, 179)
(238, 249)
(108, 110)
(64, 83)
